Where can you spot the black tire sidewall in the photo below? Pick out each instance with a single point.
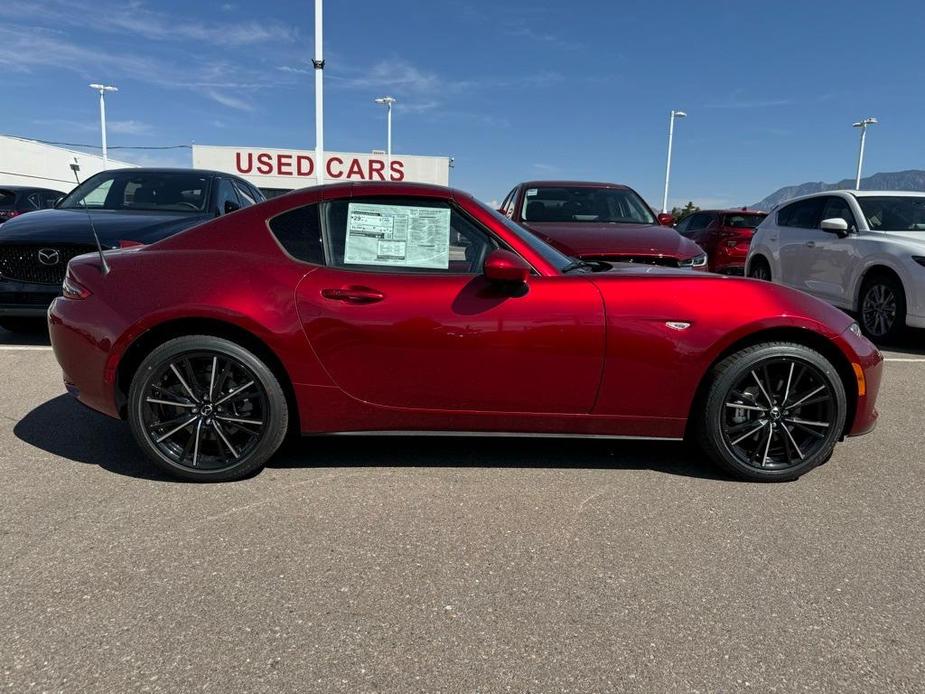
(899, 323)
(728, 372)
(760, 262)
(277, 408)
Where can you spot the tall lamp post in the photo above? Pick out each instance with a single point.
(863, 126)
(318, 64)
(102, 89)
(674, 114)
(387, 101)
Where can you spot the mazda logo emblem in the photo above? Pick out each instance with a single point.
(49, 256)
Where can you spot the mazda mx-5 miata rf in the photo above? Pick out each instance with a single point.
(400, 308)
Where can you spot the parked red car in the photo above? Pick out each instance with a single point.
(724, 234)
(600, 221)
(379, 307)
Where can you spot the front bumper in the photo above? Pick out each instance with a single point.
(26, 299)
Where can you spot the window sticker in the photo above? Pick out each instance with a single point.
(532, 192)
(397, 235)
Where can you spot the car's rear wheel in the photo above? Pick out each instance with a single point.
(759, 269)
(205, 409)
(773, 412)
(882, 308)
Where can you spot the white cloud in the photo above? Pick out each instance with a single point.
(129, 127)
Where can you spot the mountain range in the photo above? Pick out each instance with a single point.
(913, 179)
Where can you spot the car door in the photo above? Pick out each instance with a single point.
(798, 232)
(830, 260)
(401, 315)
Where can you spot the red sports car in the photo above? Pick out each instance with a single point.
(378, 307)
(725, 235)
(600, 221)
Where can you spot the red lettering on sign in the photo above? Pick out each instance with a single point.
(398, 171)
(356, 170)
(284, 164)
(376, 167)
(331, 172)
(265, 163)
(239, 166)
(309, 168)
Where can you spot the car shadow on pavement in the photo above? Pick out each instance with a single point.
(66, 429)
(36, 336)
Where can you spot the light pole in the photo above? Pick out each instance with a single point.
(318, 64)
(674, 114)
(387, 101)
(102, 89)
(863, 126)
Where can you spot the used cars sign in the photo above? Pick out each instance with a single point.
(290, 168)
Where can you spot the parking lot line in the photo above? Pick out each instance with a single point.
(16, 348)
(905, 359)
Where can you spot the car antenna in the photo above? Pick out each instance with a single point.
(104, 266)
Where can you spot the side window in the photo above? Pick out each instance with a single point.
(299, 232)
(836, 207)
(681, 226)
(256, 193)
(226, 200)
(804, 214)
(51, 199)
(244, 192)
(699, 221)
(507, 208)
(403, 235)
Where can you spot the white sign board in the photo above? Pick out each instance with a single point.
(288, 169)
(397, 235)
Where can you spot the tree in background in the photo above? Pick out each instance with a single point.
(680, 213)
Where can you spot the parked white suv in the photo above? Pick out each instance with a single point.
(862, 251)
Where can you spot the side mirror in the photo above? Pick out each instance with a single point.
(231, 207)
(665, 219)
(504, 266)
(836, 225)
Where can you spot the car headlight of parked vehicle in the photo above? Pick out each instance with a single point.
(697, 261)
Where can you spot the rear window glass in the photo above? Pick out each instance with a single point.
(743, 221)
(299, 232)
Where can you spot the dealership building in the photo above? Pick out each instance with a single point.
(26, 162)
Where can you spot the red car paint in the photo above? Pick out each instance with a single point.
(726, 245)
(641, 243)
(575, 353)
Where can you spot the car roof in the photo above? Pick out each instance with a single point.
(167, 169)
(20, 188)
(855, 193)
(733, 210)
(573, 184)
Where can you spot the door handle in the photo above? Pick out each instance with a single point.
(810, 244)
(353, 295)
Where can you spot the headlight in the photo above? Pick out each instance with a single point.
(699, 260)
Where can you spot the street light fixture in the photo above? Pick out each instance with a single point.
(102, 89)
(674, 114)
(863, 126)
(387, 101)
(318, 64)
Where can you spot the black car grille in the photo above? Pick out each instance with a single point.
(22, 263)
(641, 259)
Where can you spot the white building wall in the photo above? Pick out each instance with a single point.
(30, 163)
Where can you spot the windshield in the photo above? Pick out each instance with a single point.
(541, 248)
(583, 204)
(743, 221)
(893, 212)
(128, 190)
(7, 199)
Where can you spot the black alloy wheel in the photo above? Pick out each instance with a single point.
(203, 408)
(883, 308)
(760, 270)
(773, 412)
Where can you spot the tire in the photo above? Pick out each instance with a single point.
(233, 407)
(759, 269)
(793, 409)
(882, 308)
(23, 325)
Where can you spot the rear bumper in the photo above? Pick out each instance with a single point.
(867, 364)
(82, 349)
(26, 299)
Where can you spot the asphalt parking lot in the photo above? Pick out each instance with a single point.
(455, 564)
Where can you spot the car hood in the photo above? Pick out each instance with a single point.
(72, 226)
(595, 240)
(906, 237)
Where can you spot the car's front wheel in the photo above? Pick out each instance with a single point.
(883, 308)
(773, 412)
(205, 409)
(760, 270)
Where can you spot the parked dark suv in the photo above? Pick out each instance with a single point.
(17, 200)
(127, 206)
(724, 234)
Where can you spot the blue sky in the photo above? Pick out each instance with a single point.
(513, 90)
